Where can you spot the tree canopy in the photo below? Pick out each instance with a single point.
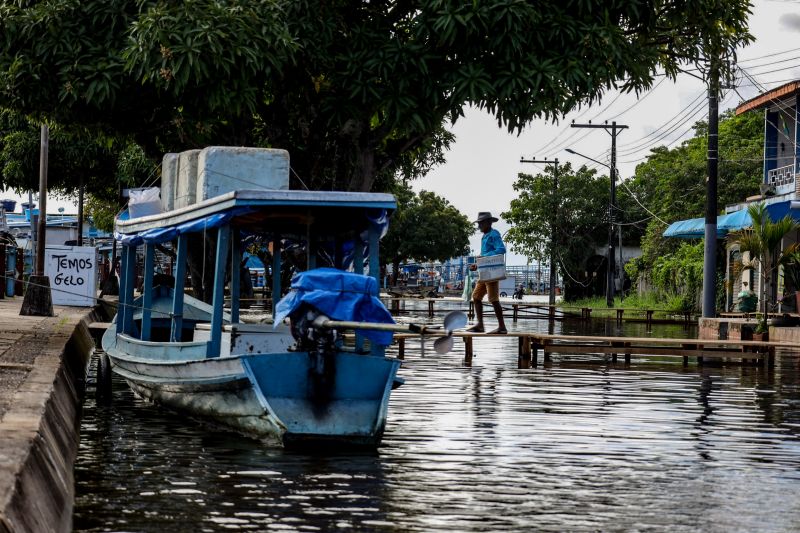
(425, 227)
(575, 220)
(357, 92)
(671, 182)
(77, 155)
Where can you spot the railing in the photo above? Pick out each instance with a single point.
(781, 176)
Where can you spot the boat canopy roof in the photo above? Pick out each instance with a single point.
(278, 211)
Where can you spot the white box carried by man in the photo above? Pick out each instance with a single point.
(491, 267)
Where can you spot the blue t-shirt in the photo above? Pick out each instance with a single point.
(492, 243)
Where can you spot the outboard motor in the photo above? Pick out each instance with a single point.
(321, 345)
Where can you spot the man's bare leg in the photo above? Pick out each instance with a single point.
(478, 327)
(501, 324)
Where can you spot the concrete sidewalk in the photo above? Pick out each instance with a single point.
(43, 361)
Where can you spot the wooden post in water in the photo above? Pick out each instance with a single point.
(38, 298)
(468, 351)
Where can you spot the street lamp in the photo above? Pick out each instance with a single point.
(573, 152)
(611, 208)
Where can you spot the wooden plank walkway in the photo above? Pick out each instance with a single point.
(520, 310)
(530, 343)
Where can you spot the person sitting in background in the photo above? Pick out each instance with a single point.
(748, 301)
(520, 292)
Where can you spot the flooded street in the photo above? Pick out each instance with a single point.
(573, 445)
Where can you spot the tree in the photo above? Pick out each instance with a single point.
(576, 221)
(763, 242)
(356, 91)
(671, 183)
(77, 155)
(425, 227)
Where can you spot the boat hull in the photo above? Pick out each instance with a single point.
(283, 398)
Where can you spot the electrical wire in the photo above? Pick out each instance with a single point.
(549, 145)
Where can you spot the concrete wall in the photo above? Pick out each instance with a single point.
(727, 328)
(39, 433)
(784, 334)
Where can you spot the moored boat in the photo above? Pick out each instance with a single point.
(292, 383)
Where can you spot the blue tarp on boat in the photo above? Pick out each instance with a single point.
(694, 228)
(340, 296)
(252, 261)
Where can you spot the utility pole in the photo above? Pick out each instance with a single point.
(81, 188)
(710, 251)
(613, 130)
(553, 217)
(38, 298)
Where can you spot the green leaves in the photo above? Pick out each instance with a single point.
(568, 224)
(352, 89)
(671, 182)
(762, 241)
(425, 227)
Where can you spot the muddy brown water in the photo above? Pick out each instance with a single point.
(578, 444)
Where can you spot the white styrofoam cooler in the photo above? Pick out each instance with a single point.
(196, 175)
(169, 172)
(222, 169)
(491, 267)
(186, 183)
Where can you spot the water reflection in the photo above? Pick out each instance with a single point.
(578, 444)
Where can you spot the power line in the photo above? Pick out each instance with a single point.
(749, 59)
(656, 137)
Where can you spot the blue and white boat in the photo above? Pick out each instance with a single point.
(291, 384)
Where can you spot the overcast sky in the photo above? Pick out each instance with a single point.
(484, 161)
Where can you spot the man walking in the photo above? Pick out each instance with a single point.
(491, 244)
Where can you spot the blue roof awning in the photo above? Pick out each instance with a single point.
(694, 228)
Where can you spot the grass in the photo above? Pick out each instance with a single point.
(639, 302)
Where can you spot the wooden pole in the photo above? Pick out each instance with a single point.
(38, 298)
(81, 188)
(42, 230)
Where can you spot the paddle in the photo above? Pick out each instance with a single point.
(452, 321)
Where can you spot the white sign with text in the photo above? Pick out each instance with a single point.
(73, 274)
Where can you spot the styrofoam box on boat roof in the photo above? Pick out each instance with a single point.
(169, 171)
(186, 184)
(221, 169)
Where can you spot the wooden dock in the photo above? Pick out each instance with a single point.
(531, 343)
(530, 310)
